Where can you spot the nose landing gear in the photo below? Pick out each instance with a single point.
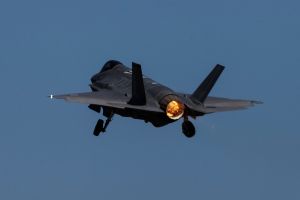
(101, 126)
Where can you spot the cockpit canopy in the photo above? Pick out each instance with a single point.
(109, 65)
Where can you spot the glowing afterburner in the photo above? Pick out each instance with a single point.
(175, 110)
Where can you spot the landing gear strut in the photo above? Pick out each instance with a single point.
(188, 129)
(99, 126)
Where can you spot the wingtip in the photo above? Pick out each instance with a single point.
(51, 96)
(257, 102)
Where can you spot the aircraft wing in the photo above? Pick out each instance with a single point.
(106, 98)
(217, 104)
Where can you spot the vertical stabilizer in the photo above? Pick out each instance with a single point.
(138, 89)
(205, 87)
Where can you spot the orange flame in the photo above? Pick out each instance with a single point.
(175, 110)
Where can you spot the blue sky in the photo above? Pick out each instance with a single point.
(47, 150)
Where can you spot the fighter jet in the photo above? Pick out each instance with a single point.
(117, 89)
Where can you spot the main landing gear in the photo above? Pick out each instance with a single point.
(101, 126)
(188, 129)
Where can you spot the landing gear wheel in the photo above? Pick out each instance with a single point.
(188, 129)
(99, 127)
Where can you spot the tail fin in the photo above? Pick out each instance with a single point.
(205, 87)
(138, 89)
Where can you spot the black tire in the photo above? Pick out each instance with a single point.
(188, 129)
(99, 127)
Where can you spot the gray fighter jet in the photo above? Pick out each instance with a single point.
(117, 89)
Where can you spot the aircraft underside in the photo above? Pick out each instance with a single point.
(156, 119)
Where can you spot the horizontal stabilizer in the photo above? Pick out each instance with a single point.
(138, 89)
(205, 87)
